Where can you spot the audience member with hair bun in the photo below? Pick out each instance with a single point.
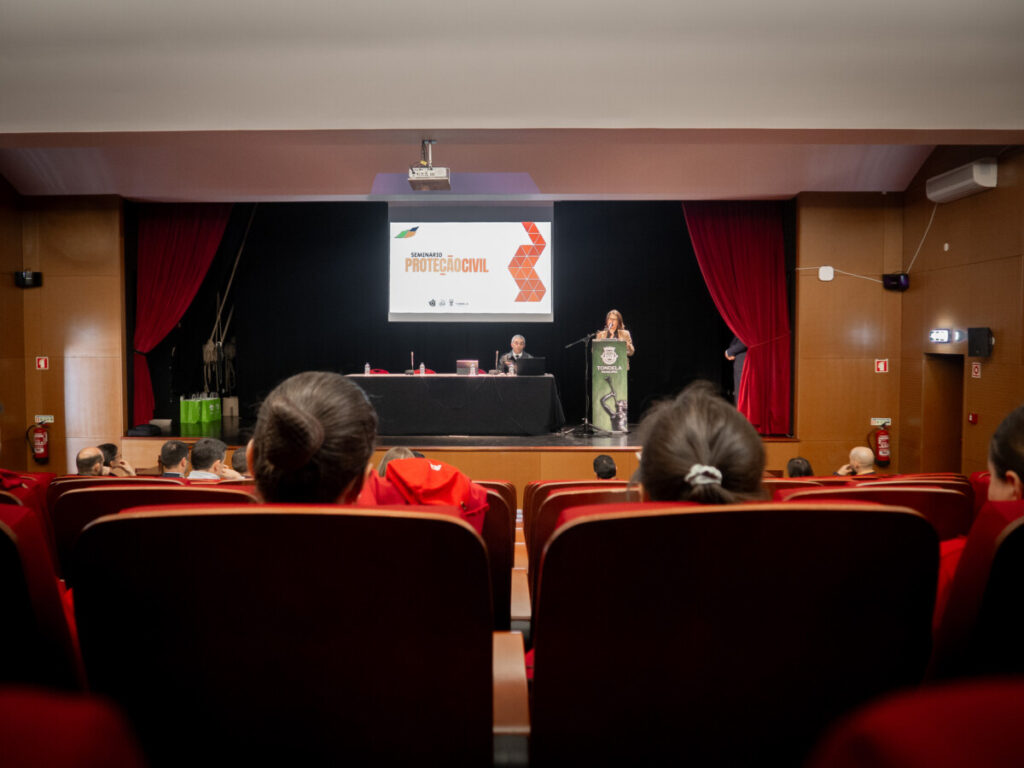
(313, 440)
(698, 447)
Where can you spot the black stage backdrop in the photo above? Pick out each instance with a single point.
(311, 293)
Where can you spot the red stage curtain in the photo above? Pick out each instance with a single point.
(739, 247)
(177, 243)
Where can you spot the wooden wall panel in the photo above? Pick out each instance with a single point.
(844, 325)
(77, 319)
(969, 273)
(13, 420)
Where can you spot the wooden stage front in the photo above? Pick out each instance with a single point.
(560, 455)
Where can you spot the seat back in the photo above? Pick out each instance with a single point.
(723, 635)
(545, 518)
(59, 485)
(75, 509)
(952, 482)
(499, 534)
(535, 493)
(948, 510)
(775, 484)
(36, 644)
(939, 726)
(995, 647)
(291, 634)
(505, 488)
(954, 636)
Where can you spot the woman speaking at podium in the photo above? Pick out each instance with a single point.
(614, 328)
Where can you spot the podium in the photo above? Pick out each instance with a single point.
(608, 385)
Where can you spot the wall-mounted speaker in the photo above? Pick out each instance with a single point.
(896, 281)
(28, 279)
(979, 342)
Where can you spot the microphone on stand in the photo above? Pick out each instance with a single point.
(495, 359)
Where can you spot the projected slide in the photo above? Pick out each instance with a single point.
(470, 271)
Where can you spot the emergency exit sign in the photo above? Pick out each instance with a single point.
(882, 366)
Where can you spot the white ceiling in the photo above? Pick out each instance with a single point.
(667, 99)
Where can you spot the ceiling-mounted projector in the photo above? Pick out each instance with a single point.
(963, 181)
(423, 176)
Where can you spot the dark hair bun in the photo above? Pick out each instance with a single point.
(296, 435)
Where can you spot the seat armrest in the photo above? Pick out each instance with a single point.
(511, 701)
(521, 608)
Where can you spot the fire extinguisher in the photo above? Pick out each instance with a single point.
(39, 439)
(878, 439)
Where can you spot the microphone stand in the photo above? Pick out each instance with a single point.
(586, 428)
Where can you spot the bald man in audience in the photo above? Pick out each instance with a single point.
(89, 461)
(862, 462)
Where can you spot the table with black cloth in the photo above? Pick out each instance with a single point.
(447, 404)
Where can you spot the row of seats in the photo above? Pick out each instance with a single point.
(672, 610)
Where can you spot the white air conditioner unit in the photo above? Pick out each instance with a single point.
(963, 181)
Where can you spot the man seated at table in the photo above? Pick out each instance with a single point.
(518, 353)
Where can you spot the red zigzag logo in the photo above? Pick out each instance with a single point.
(523, 263)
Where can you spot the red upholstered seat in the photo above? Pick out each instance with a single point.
(76, 508)
(949, 726)
(536, 491)
(545, 517)
(774, 485)
(980, 622)
(948, 510)
(59, 730)
(298, 635)
(37, 640)
(723, 635)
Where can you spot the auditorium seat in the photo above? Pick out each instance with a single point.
(6, 497)
(948, 510)
(64, 730)
(499, 533)
(76, 508)
(537, 490)
(70, 482)
(505, 488)
(551, 507)
(775, 484)
(975, 723)
(723, 635)
(37, 645)
(953, 483)
(296, 634)
(955, 646)
(982, 628)
(979, 482)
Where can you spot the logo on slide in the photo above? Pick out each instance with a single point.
(523, 263)
(405, 234)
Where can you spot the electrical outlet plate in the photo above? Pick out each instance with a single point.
(881, 421)
(44, 419)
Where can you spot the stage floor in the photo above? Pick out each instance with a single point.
(552, 440)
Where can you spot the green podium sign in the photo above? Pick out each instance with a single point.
(609, 390)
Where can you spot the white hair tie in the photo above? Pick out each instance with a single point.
(701, 474)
